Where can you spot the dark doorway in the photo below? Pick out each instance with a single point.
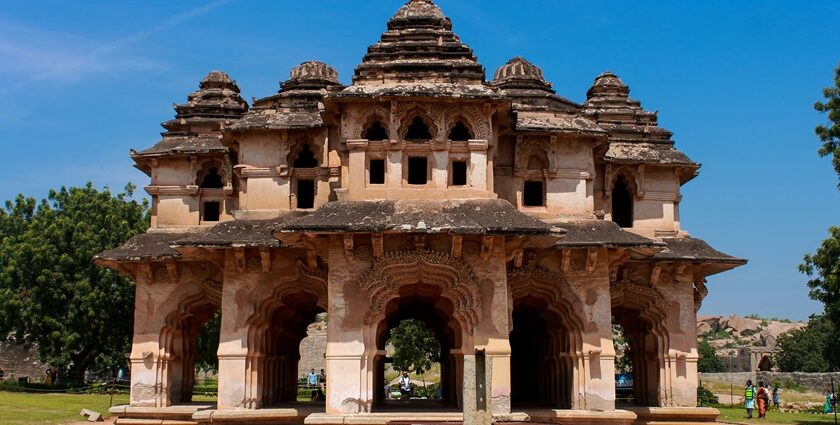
(377, 171)
(460, 133)
(541, 371)
(418, 170)
(376, 132)
(305, 194)
(622, 204)
(212, 180)
(534, 195)
(306, 158)
(459, 173)
(418, 130)
(212, 211)
(639, 358)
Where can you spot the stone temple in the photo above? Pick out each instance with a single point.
(517, 224)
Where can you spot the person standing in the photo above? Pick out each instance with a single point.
(405, 386)
(776, 397)
(312, 379)
(749, 398)
(763, 399)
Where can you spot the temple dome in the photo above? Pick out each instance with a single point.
(217, 98)
(520, 73)
(311, 75)
(419, 47)
(608, 84)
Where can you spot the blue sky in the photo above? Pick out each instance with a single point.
(83, 82)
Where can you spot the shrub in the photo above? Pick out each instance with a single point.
(706, 397)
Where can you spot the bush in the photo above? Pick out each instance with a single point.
(706, 397)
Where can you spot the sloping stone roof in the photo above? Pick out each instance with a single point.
(485, 216)
(601, 233)
(144, 247)
(185, 145)
(693, 249)
(419, 45)
(556, 122)
(238, 233)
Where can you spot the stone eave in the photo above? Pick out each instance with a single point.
(601, 234)
(466, 217)
(238, 234)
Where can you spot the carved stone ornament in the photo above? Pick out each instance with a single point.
(647, 300)
(397, 269)
(540, 282)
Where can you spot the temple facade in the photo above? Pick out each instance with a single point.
(518, 225)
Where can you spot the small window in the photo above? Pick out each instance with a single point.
(212, 211)
(305, 194)
(533, 196)
(377, 171)
(622, 204)
(418, 130)
(306, 158)
(376, 132)
(212, 180)
(418, 173)
(460, 132)
(459, 173)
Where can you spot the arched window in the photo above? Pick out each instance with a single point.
(537, 162)
(418, 130)
(460, 132)
(305, 158)
(622, 203)
(212, 179)
(376, 132)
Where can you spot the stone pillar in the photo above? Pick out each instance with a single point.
(478, 164)
(237, 381)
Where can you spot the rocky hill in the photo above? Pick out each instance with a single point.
(743, 341)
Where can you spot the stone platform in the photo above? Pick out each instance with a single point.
(197, 414)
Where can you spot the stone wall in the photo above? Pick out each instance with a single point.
(18, 360)
(817, 382)
(312, 349)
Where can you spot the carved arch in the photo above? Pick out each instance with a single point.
(368, 116)
(418, 111)
(394, 270)
(537, 280)
(297, 146)
(631, 179)
(202, 167)
(647, 300)
(478, 124)
(532, 147)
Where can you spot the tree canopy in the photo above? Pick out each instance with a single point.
(709, 360)
(51, 293)
(415, 347)
(811, 349)
(829, 133)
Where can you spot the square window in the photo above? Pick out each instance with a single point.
(377, 171)
(418, 171)
(212, 211)
(305, 194)
(533, 196)
(459, 173)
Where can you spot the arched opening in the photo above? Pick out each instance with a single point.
(305, 158)
(426, 305)
(418, 130)
(622, 203)
(376, 132)
(638, 367)
(460, 132)
(766, 364)
(190, 343)
(275, 348)
(541, 357)
(212, 179)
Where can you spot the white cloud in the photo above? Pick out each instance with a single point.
(32, 55)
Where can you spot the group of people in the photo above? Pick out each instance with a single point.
(759, 398)
(318, 380)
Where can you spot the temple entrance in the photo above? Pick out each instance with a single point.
(424, 308)
(541, 362)
(276, 352)
(191, 343)
(637, 358)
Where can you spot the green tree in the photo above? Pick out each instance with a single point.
(824, 269)
(51, 292)
(415, 347)
(811, 349)
(829, 133)
(709, 360)
(207, 345)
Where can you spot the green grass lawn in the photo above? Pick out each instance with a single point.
(49, 409)
(738, 415)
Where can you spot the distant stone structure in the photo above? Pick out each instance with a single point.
(313, 349)
(744, 344)
(517, 224)
(20, 361)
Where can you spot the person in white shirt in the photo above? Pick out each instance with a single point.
(405, 386)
